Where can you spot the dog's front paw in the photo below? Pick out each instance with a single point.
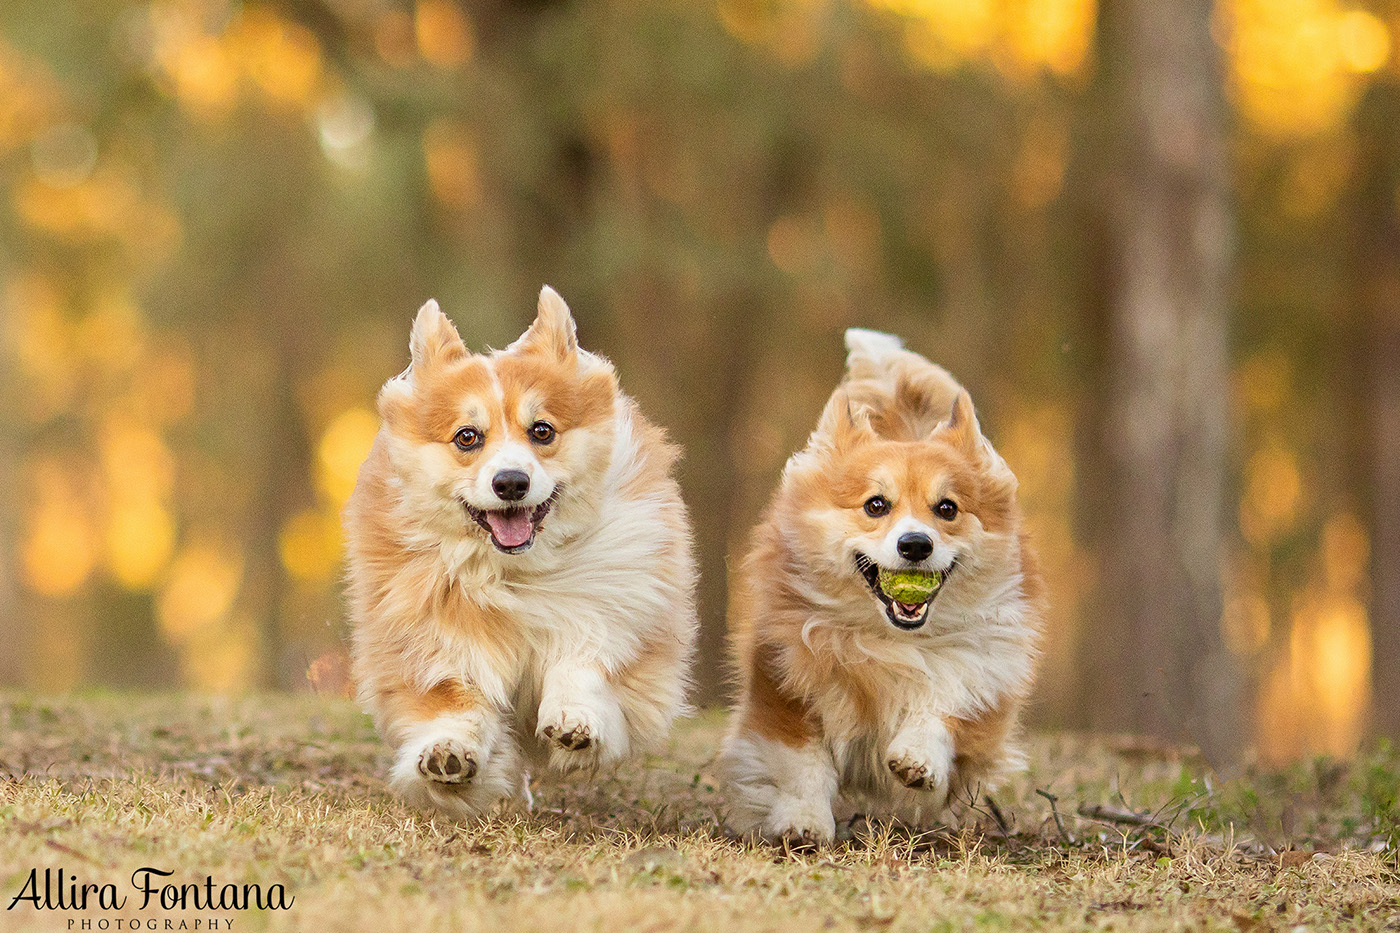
(910, 772)
(447, 761)
(458, 765)
(580, 718)
(570, 729)
(923, 769)
(572, 738)
(799, 825)
(584, 734)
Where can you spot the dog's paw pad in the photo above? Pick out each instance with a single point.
(447, 763)
(573, 739)
(912, 774)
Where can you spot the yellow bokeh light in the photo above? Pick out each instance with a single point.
(1055, 33)
(1346, 553)
(1329, 663)
(1295, 63)
(59, 550)
(443, 33)
(741, 19)
(343, 447)
(205, 75)
(282, 58)
(449, 154)
(107, 205)
(140, 539)
(1038, 446)
(98, 207)
(1272, 486)
(310, 545)
(33, 326)
(1364, 41)
(137, 462)
(39, 338)
(113, 333)
(1017, 35)
(393, 37)
(965, 27)
(1316, 697)
(1342, 665)
(27, 98)
(201, 588)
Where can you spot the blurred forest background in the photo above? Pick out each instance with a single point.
(1159, 240)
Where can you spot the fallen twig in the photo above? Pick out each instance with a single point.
(1098, 811)
(997, 815)
(1055, 812)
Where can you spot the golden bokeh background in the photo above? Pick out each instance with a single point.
(217, 218)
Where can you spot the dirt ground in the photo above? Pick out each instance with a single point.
(280, 790)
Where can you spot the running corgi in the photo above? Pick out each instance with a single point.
(521, 576)
(884, 623)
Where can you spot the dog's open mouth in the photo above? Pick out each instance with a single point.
(513, 529)
(905, 594)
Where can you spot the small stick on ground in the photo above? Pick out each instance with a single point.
(1055, 812)
(1097, 811)
(997, 815)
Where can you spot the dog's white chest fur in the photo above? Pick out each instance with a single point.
(961, 666)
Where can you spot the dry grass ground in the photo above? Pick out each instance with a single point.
(288, 790)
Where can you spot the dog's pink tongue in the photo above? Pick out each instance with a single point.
(511, 528)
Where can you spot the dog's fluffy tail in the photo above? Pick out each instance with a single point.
(870, 352)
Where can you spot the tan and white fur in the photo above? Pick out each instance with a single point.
(521, 576)
(845, 694)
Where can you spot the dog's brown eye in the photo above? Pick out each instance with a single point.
(468, 439)
(946, 509)
(541, 432)
(876, 506)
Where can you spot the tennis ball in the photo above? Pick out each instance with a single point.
(910, 587)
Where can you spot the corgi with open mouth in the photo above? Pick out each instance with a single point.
(884, 622)
(521, 577)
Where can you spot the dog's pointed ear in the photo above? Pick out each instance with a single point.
(962, 427)
(434, 339)
(964, 431)
(553, 331)
(843, 423)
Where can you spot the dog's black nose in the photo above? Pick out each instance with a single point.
(512, 485)
(914, 546)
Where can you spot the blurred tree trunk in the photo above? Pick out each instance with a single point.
(280, 494)
(1158, 661)
(719, 515)
(1377, 276)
